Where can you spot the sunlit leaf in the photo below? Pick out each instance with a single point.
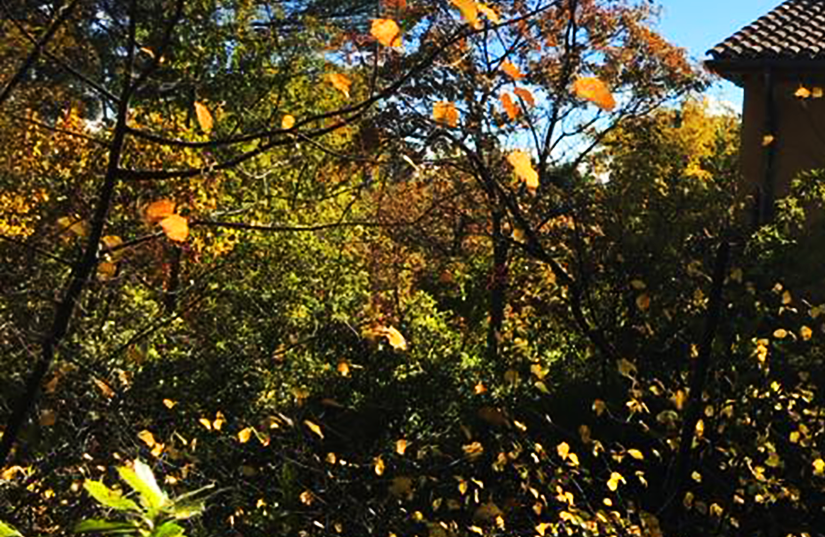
(615, 479)
(108, 497)
(343, 368)
(780, 333)
(643, 302)
(159, 210)
(340, 82)
(802, 92)
(176, 227)
(445, 113)
(521, 163)
(204, 117)
(206, 423)
(626, 367)
(306, 497)
(816, 92)
(636, 454)
(315, 428)
(488, 12)
(394, 337)
(8, 531)
(220, 419)
(104, 388)
(469, 11)
(563, 450)
(387, 32)
(287, 122)
(510, 107)
(595, 91)
(244, 435)
(398, 5)
(767, 140)
(168, 403)
(142, 481)
(378, 466)
(147, 437)
(401, 446)
(806, 333)
(819, 467)
(511, 70)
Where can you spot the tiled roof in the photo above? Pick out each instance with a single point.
(794, 30)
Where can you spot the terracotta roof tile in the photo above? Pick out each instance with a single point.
(794, 30)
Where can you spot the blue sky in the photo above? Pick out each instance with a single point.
(698, 25)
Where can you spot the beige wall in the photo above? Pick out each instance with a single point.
(799, 140)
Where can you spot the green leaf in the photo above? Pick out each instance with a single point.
(104, 526)
(108, 497)
(8, 531)
(142, 480)
(168, 529)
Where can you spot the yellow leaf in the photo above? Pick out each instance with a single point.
(106, 270)
(287, 122)
(445, 113)
(819, 467)
(70, 226)
(573, 459)
(219, 421)
(520, 161)
(401, 446)
(387, 32)
(636, 454)
(473, 450)
(511, 70)
(157, 450)
(206, 423)
(340, 82)
(525, 96)
(204, 117)
(510, 107)
(469, 11)
(767, 140)
(168, 403)
(244, 435)
(615, 479)
(563, 450)
(315, 428)
(802, 92)
(158, 210)
(599, 407)
(378, 466)
(306, 497)
(176, 227)
(394, 337)
(816, 92)
(147, 438)
(110, 242)
(488, 12)
(780, 333)
(595, 91)
(806, 333)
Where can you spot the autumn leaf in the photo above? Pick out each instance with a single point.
(398, 5)
(524, 169)
(176, 227)
(158, 210)
(488, 12)
(387, 32)
(510, 107)
(445, 113)
(168, 403)
(817, 92)
(340, 82)
(802, 92)
(343, 368)
(511, 70)
(595, 91)
(767, 140)
(48, 418)
(615, 479)
(563, 450)
(394, 337)
(643, 302)
(220, 419)
(636, 454)
(104, 388)
(147, 438)
(469, 11)
(244, 435)
(525, 96)
(401, 446)
(287, 122)
(806, 333)
(204, 117)
(315, 428)
(378, 466)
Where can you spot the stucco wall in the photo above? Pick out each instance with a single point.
(799, 137)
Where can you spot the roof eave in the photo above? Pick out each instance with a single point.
(735, 70)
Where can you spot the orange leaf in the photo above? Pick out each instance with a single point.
(158, 210)
(595, 91)
(394, 337)
(395, 4)
(511, 70)
(176, 227)
(510, 107)
(287, 122)
(491, 15)
(204, 117)
(340, 82)
(104, 388)
(147, 438)
(445, 112)
(244, 435)
(469, 10)
(525, 96)
(387, 32)
(524, 168)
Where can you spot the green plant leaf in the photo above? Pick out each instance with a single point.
(8, 531)
(108, 497)
(168, 529)
(94, 525)
(142, 480)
